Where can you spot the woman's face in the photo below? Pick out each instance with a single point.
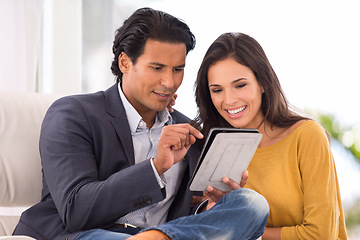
(236, 93)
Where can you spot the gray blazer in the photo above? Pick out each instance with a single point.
(89, 174)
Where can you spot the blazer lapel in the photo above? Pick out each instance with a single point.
(119, 120)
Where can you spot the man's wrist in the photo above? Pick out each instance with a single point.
(160, 178)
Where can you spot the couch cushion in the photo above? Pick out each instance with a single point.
(7, 224)
(21, 115)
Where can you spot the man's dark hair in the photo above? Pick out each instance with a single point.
(147, 23)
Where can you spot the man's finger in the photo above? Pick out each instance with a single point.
(185, 129)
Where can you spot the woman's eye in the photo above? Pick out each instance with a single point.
(241, 85)
(215, 90)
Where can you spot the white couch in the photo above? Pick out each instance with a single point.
(21, 115)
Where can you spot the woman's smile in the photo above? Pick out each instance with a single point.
(236, 112)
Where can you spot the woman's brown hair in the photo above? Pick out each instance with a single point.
(248, 52)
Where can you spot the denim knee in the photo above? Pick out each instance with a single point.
(255, 203)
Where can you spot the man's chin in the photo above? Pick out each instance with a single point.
(159, 107)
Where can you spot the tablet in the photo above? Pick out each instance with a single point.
(227, 152)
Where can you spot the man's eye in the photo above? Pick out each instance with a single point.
(178, 69)
(156, 68)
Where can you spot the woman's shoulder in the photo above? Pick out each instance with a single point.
(304, 130)
(308, 126)
(310, 129)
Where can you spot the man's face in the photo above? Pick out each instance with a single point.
(150, 84)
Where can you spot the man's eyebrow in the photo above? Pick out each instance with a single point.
(181, 66)
(158, 64)
(163, 65)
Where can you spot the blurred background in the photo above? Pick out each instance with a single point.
(65, 47)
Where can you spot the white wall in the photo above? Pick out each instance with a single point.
(61, 66)
(20, 28)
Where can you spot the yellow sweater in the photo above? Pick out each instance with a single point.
(298, 178)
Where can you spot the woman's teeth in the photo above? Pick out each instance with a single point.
(236, 111)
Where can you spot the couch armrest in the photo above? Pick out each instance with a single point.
(17, 238)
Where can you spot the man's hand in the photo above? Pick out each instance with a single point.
(215, 194)
(174, 142)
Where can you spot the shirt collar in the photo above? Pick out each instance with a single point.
(135, 120)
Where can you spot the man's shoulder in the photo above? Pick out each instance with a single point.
(84, 99)
(91, 103)
(90, 98)
(179, 117)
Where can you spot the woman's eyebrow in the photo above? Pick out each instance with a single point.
(233, 82)
(238, 80)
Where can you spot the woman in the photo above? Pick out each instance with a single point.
(293, 167)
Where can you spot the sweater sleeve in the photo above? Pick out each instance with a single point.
(320, 188)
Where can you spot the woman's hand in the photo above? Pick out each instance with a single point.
(172, 103)
(215, 194)
(271, 234)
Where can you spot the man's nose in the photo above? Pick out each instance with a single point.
(168, 79)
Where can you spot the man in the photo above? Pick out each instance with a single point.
(116, 162)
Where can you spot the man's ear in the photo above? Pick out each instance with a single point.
(124, 62)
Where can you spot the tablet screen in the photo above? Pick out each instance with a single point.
(227, 152)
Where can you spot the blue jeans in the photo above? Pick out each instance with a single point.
(240, 214)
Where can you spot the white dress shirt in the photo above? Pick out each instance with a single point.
(145, 142)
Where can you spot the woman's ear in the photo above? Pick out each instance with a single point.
(124, 62)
